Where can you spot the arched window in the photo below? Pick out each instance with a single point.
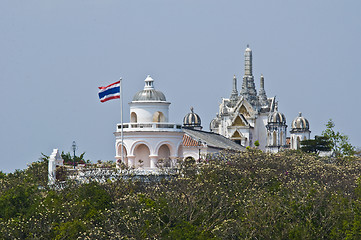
(163, 154)
(133, 117)
(274, 138)
(158, 117)
(141, 154)
(298, 143)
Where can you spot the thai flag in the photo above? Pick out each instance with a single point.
(109, 92)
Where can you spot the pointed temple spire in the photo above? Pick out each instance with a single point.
(262, 82)
(234, 94)
(248, 62)
(248, 87)
(262, 97)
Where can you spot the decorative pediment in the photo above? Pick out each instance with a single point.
(244, 107)
(240, 121)
(236, 134)
(244, 111)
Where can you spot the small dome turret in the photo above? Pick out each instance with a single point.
(300, 123)
(149, 93)
(276, 118)
(192, 120)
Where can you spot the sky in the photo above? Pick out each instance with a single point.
(55, 54)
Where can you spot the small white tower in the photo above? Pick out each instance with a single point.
(300, 131)
(276, 132)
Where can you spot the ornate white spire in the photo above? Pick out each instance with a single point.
(248, 61)
(234, 94)
(262, 97)
(248, 87)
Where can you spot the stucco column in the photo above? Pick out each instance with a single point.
(153, 161)
(131, 161)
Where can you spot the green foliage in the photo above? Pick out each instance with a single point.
(16, 201)
(339, 142)
(70, 230)
(37, 172)
(319, 144)
(256, 143)
(71, 160)
(185, 230)
(247, 195)
(91, 199)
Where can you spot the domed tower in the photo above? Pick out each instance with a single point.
(192, 120)
(149, 105)
(300, 131)
(149, 138)
(276, 132)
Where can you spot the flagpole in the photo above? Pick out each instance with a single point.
(121, 119)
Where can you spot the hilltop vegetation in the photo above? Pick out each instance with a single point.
(249, 195)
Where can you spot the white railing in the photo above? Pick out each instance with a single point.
(139, 126)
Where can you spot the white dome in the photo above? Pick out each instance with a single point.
(149, 93)
(192, 119)
(276, 118)
(300, 123)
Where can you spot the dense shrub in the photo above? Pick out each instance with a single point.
(248, 195)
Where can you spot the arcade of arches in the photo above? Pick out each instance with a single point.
(142, 157)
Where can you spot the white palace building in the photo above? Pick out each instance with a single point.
(150, 137)
(149, 140)
(243, 119)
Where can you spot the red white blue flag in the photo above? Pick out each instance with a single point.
(109, 92)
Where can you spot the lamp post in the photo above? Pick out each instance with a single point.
(74, 148)
(199, 150)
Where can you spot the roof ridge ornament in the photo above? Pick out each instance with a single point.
(148, 83)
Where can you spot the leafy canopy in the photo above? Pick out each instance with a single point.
(339, 142)
(317, 145)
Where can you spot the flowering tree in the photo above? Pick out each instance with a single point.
(233, 195)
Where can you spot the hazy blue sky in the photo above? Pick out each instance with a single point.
(54, 55)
